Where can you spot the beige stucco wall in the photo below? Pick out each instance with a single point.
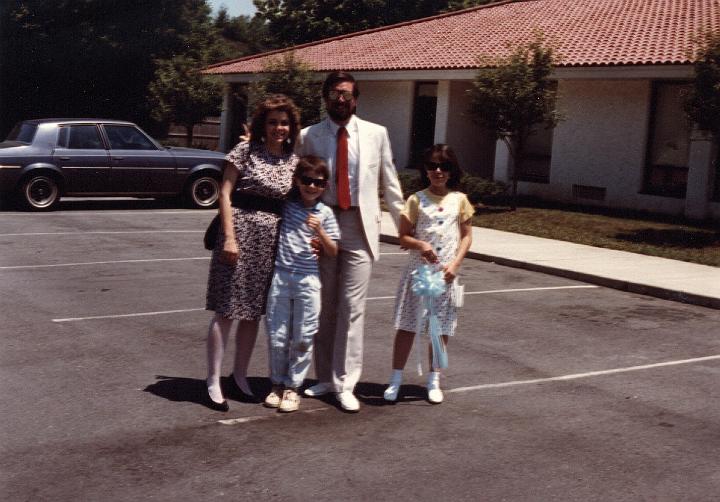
(602, 143)
(474, 146)
(390, 104)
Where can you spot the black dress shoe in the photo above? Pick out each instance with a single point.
(214, 405)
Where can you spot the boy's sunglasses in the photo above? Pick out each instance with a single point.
(318, 182)
(445, 167)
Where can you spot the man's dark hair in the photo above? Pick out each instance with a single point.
(337, 77)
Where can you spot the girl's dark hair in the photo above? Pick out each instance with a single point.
(337, 77)
(275, 103)
(442, 153)
(308, 164)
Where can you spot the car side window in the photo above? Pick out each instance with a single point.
(127, 138)
(80, 137)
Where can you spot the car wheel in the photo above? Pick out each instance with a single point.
(203, 192)
(40, 193)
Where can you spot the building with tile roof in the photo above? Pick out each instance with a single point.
(623, 66)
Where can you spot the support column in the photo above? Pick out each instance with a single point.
(503, 163)
(700, 176)
(225, 120)
(442, 112)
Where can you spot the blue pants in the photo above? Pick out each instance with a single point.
(291, 319)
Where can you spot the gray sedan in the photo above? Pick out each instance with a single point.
(42, 160)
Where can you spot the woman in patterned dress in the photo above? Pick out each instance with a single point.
(436, 228)
(256, 178)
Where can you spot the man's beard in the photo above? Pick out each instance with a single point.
(340, 113)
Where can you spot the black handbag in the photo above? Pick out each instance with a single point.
(211, 234)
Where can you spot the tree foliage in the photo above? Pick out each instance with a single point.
(292, 22)
(243, 35)
(93, 57)
(295, 79)
(513, 95)
(703, 100)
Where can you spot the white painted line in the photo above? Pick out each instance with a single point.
(116, 316)
(244, 420)
(115, 213)
(140, 314)
(576, 376)
(520, 290)
(110, 232)
(16, 267)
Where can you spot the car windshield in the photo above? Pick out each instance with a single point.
(23, 132)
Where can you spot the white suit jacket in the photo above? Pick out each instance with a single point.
(375, 170)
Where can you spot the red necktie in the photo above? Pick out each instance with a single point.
(341, 169)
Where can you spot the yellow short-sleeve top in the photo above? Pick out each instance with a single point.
(410, 211)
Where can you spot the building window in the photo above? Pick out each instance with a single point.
(668, 142)
(538, 153)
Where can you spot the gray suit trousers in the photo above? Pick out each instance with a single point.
(345, 279)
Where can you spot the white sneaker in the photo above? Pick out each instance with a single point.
(435, 396)
(290, 401)
(348, 401)
(275, 397)
(391, 393)
(319, 389)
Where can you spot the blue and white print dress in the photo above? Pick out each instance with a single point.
(437, 224)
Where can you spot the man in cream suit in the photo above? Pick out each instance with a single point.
(360, 160)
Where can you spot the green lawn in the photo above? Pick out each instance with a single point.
(685, 241)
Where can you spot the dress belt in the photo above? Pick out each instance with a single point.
(254, 202)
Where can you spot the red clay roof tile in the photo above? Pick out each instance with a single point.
(584, 33)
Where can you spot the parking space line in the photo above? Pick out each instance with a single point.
(589, 374)
(244, 420)
(374, 298)
(148, 260)
(110, 232)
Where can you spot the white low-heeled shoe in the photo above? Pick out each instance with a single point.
(391, 393)
(435, 395)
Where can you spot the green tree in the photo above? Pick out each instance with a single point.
(295, 79)
(182, 95)
(91, 57)
(514, 95)
(292, 22)
(243, 35)
(703, 100)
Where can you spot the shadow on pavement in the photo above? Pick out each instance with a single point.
(193, 390)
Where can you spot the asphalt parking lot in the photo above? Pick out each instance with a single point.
(557, 390)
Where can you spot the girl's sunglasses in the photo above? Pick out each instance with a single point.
(445, 167)
(318, 182)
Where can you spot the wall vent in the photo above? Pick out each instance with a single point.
(588, 192)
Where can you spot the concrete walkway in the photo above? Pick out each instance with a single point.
(669, 279)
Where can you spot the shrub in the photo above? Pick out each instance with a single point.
(476, 188)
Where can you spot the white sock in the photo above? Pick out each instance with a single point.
(396, 377)
(433, 381)
(218, 333)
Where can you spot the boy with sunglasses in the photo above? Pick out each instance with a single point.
(293, 307)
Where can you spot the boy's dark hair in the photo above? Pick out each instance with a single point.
(443, 153)
(308, 165)
(335, 78)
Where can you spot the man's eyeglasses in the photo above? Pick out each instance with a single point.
(318, 182)
(445, 167)
(335, 95)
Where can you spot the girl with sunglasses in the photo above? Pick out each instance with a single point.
(293, 306)
(436, 228)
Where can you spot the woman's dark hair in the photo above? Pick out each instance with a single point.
(308, 165)
(337, 77)
(275, 103)
(444, 154)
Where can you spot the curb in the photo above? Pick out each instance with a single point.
(627, 286)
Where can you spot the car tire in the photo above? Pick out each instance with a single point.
(40, 192)
(203, 191)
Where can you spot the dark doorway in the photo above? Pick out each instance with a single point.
(423, 126)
